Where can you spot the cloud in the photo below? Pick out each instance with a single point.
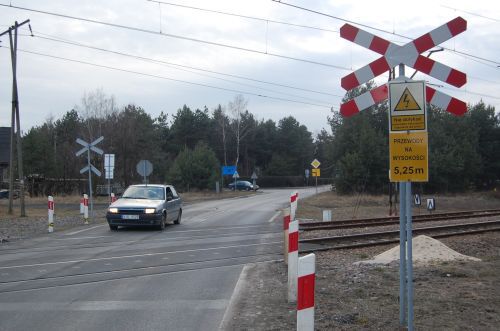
(50, 86)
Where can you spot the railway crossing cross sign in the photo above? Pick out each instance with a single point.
(412, 130)
(87, 147)
(408, 54)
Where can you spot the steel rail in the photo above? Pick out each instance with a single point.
(387, 237)
(367, 222)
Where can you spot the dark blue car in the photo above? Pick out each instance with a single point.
(243, 185)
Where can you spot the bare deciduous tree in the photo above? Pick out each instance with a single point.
(222, 122)
(237, 108)
(95, 107)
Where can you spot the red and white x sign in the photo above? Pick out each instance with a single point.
(408, 54)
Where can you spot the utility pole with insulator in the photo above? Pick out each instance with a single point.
(15, 122)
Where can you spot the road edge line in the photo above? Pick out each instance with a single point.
(238, 288)
(274, 216)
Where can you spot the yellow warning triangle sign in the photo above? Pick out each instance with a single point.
(407, 102)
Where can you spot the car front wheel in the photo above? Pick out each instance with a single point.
(178, 220)
(113, 227)
(161, 227)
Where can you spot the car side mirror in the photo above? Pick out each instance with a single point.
(169, 198)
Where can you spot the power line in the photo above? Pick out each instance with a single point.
(177, 37)
(466, 91)
(471, 13)
(380, 30)
(180, 67)
(243, 16)
(170, 79)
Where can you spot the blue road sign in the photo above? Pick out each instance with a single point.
(228, 170)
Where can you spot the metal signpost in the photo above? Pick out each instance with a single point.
(254, 178)
(144, 168)
(316, 171)
(109, 168)
(227, 171)
(235, 176)
(90, 168)
(407, 121)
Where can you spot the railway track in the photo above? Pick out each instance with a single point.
(388, 237)
(391, 220)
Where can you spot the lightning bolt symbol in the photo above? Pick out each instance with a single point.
(405, 100)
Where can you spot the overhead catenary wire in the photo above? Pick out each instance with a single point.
(243, 16)
(169, 35)
(380, 30)
(171, 79)
(182, 67)
(471, 13)
(174, 66)
(49, 37)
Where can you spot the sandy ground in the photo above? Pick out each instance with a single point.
(457, 295)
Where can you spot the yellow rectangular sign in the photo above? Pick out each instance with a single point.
(408, 122)
(316, 172)
(408, 157)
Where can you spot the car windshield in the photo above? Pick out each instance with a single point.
(144, 192)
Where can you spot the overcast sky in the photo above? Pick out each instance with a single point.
(51, 87)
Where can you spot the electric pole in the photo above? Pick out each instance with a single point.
(15, 123)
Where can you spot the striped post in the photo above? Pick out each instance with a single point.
(51, 214)
(113, 198)
(293, 260)
(294, 197)
(286, 223)
(305, 296)
(86, 208)
(82, 207)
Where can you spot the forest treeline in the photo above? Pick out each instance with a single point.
(188, 147)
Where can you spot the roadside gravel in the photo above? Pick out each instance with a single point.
(28, 227)
(458, 295)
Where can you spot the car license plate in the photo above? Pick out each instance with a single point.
(130, 217)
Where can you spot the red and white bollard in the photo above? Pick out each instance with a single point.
(113, 198)
(51, 214)
(82, 207)
(305, 296)
(286, 223)
(293, 260)
(294, 197)
(86, 208)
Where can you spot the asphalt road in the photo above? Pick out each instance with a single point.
(91, 278)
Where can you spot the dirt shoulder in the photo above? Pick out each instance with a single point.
(448, 296)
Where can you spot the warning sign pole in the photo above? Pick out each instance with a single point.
(405, 240)
(408, 146)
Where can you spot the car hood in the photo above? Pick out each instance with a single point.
(136, 203)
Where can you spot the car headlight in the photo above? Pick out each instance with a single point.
(149, 211)
(113, 210)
